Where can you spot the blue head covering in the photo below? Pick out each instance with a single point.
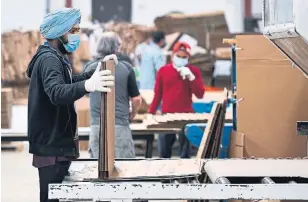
(58, 23)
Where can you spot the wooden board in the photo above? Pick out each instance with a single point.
(107, 128)
(275, 98)
(81, 170)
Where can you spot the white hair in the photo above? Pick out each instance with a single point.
(108, 43)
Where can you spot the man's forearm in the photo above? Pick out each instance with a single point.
(82, 76)
(136, 102)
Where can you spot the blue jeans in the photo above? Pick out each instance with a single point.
(166, 141)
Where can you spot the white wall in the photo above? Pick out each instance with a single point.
(29, 13)
(145, 11)
(25, 14)
(256, 7)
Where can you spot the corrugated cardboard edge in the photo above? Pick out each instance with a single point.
(237, 145)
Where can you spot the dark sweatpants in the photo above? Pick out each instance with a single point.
(166, 141)
(52, 174)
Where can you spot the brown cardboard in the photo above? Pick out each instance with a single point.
(275, 97)
(6, 107)
(107, 128)
(237, 145)
(207, 22)
(83, 112)
(237, 138)
(83, 52)
(110, 119)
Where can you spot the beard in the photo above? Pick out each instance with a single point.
(62, 49)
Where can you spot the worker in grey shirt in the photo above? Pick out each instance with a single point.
(125, 90)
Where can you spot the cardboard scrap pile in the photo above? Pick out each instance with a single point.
(208, 29)
(196, 25)
(17, 50)
(130, 34)
(83, 112)
(200, 57)
(6, 107)
(175, 120)
(148, 95)
(179, 120)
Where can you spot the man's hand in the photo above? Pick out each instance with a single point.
(132, 115)
(101, 81)
(186, 73)
(158, 112)
(111, 57)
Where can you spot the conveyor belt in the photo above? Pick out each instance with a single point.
(252, 170)
(257, 179)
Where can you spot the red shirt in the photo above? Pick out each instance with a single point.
(174, 92)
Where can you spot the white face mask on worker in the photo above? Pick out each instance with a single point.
(179, 62)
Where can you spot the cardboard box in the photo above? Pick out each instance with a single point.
(6, 107)
(83, 112)
(275, 98)
(237, 145)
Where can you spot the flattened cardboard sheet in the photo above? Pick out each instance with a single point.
(275, 98)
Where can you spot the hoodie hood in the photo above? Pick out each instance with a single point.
(42, 49)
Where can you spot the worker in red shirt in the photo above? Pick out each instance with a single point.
(175, 85)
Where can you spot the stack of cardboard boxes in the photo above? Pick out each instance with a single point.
(6, 107)
(83, 114)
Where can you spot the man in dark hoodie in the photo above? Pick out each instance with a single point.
(126, 90)
(52, 119)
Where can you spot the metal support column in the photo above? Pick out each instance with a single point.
(233, 59)
(68, 4)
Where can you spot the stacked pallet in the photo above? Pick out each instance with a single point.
(130, 34)
(6, 107)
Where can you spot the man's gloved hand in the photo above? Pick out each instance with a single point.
(186, 73)
(111, 57)
(101, 81)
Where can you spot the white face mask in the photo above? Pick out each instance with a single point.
(179, 62)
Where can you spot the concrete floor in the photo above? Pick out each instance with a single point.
(19, 180)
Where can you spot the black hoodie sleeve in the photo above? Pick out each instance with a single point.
(83, 76)
(54, 84)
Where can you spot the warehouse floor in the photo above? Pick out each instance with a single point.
(19, 179)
